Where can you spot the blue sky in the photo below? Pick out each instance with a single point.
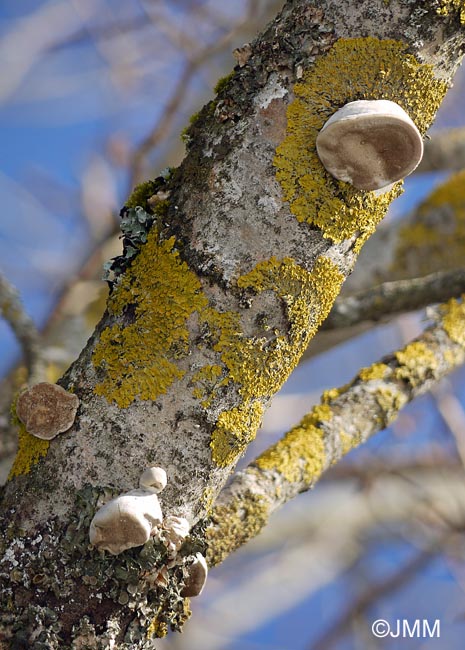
(61, 114)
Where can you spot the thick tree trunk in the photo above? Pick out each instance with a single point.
(250, 242)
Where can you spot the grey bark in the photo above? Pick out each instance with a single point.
(227, 215)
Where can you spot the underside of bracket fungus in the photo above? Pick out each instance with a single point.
(130, 519)
(46, 410)
(370, 144)
(197, 577)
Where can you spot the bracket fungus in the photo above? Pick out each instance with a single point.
(153, 479)
(370, 144)
(46, 410)
(129, 519)
(174, 532)
(196, 577)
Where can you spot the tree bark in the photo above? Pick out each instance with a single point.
(231, 264)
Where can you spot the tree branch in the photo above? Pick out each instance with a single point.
(346, 418)
(391, 298)
(22, 325)
(230, 266)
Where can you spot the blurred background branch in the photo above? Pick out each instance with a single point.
(93, 95)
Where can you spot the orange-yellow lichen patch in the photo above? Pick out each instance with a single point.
(448, 7)
(30, 451)
(376, 371)
(234, 430)
(301, 454)
(417, 362)
(138, 357)
(259, 366)
(354, 69)
(453, 320)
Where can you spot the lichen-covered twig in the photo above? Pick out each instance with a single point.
(346, 418)
(391, 298)
(22, 325)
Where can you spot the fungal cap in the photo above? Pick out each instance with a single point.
(153, 479)
(175, 531)
(126, 521)
(370, 144)
(196, 578)
(46, 410)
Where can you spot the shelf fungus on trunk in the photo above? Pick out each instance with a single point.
(46, 410)
(370, 144)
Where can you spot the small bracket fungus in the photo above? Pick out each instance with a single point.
(46, 410)
(154, 479)
(196, 578)
(131, 518)
(175, 530)
(370, 144)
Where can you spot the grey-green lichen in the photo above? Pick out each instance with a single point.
(354, 69)
(58, 565)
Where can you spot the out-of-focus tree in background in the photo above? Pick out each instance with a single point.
(93, 97)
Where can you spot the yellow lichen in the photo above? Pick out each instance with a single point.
(354, 69)
(301, 454)
(416, 363)
(206, 382)
(157, 628)
(453, 321)
(234, 430)
(331, 394)
(376, 371)
(139, 357)
(435, 240)
(259, 366)
(30, 451)
(208, 499)
(448, 7)
(347, 443)
(390, 400)
(234, 524)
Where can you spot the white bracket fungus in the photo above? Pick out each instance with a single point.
(370, 144)
(46, 410)
(131, 518)
(175, 530)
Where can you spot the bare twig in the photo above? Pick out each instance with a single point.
(392, 298)
(346, 418)
(24, 329)
(164, 123)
